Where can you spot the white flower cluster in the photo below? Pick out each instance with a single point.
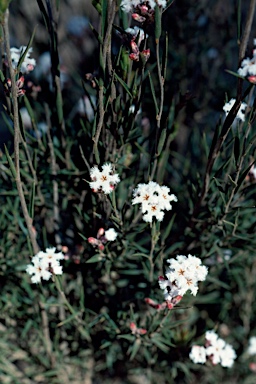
(182, 275)
(44, 264)
(252, 346)
(216, 350)
(153, 199)
(241, 112)
(128, 5)
(104, 180)
(28, 63)
(248, 66)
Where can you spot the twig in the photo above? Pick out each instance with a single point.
(28, 219)
(46, 333)
(56, 211)
(161, 81)
(105, 49)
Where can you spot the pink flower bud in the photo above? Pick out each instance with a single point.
(176, 299)
(146, 54)
(169, 304)
(143, 9)
(20, 82)
(138, 18)
(101, 247)
(252, 367)
(21, 92)
(92, 240)
(100, 232)
(134, 47)
(133, 327)
(134, 56)
(252, 79)
(141, 331)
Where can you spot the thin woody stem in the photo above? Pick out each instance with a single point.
(105, 49)
(28, 219)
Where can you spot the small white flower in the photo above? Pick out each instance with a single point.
(104, 180)
(252, 346)
(214, 350)
(248, 66)
(170, 289)
(28, 64)
(198, 354)
(38, 270)
(111, 234)
(241, 113)
(211, 336)
(227, 356)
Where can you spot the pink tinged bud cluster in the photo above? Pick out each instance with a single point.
(103, 237)
(215, 350)
(137, 331)
(154, 199)
(166, 304)
(28, 63)
(44, 265)
(19, 86)
(105, 180)
(138, 35)
(241, 112)
(182, 275)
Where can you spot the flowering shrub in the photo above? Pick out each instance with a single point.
(121, 175)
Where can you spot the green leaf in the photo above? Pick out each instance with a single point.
(161, 142)
(11, 164)
(235, 74)
(153, 92)
(126, 337)
(159, 342)
(125, 86)
(59, 105)
(32, 200)
(96, 154)
(158, 23)
(26, 50)
(135, 348)
(236, 148)
(168, 228)
(95, 259)
(29, 108)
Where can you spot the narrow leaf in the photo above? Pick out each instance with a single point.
(11, 164)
